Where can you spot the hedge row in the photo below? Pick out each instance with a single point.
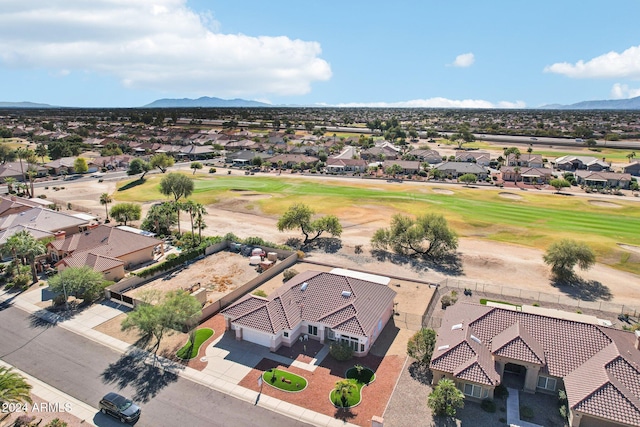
(173, 262)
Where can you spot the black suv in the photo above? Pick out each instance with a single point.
(120, 407)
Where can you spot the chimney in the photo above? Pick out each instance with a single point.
(637, 343)
(60, 235)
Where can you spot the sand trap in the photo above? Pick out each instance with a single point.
(602, 204)
(257, 196)
(443, 191)
(631, 248)
(510, 196)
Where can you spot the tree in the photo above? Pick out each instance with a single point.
(161, 161)
(13, 387)
(176, 185)
(559, 184)
(80, 165)
(173, 310)
(195, 210)
(516, 172)
(343, 388)
(83, 281)
(10, 181)
(631, 155)
(138, 166)
(421, 345)
(105, 199)
(257, 161)
(160, 218)
(428, 235)
(468, 178)
(126, 212)
(563, 255)
(393, 170)
(299, 216)
(445, 398)
(26, 248)
(41, 151)
(23, 153)
(195, 166)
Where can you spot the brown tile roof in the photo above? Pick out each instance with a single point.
(42, 219)
(600, 366)
(106, 241)
(97, 262)
(322, 301)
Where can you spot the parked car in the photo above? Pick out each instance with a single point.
(120, 407)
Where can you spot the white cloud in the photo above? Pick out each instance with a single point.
(155, 44)
(622, 91)
(464, 60)
(437, 103)
(609, 65)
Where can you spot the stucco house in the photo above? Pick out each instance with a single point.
(632, 168)
(572, 163)
(457, 169)
(341, 305)
(345, 165)
(109, 250)
(528, 160)
(480, 157)
(526, 174)
(603, 179)
(480, 347)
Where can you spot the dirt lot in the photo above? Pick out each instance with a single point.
(219, 273)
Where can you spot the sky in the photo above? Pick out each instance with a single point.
(421, 53)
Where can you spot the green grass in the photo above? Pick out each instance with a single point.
(294, 383)
(353, 398)
(484, 301)
(366, 376)
(190, 350)
(535, 220)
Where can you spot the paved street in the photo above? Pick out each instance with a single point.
(87, 370)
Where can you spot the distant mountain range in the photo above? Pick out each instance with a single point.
(608, 104)
(25, 105)
(204, 102)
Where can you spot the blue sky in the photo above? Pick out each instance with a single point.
(122, 53)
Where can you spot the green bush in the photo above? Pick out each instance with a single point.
(340, 351)
(212, 170)
(289, 274)
(260, 293)
(526, 412)
(488, 405)
(21, 280)
(501, 391)
(171, 256)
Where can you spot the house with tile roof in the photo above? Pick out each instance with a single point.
(573, 163)
(457, 169)
(343, 306)
(109, 250)
(480, 157)
(526, 174)
(480, 347)
(345, 165)
(527, 160)
(603, 179)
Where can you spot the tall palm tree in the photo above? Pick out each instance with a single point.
(105, 199)
(23, 153)
(13, 387)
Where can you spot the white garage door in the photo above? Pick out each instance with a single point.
(256, 337)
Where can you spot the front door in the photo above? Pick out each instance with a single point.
(331, 336)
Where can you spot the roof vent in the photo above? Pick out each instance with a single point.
(443, 347)
(456, 327)
(304, 286)
(476, 339)
(346, 294)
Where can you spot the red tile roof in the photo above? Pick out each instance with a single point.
(322, 301)
(600, 366)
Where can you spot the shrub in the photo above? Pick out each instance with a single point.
(171, 256)
(488, 405)
(501, 391)
(289, 274)
(212, 170)
(260, 293)
(502, 420)
(536, 304)
(300, 254)
(21, 280)
(526, 412)
(340, 351)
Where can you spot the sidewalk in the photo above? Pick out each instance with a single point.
(222, 378)
(513, 410)
(45, 392)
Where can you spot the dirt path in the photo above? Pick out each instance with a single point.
(482, 261)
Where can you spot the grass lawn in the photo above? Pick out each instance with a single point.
(190, 350)
(484, 301)
(366, 375)
(292, 382)
(353, 398)
(534, 219)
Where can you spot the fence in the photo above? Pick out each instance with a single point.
(541, 297)
(68, 205)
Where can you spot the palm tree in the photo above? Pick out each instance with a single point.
(26, 248)
(13, 387)
(41, 151)
(10, 181)
(516, 170)
(23, 153)
(343, 389)
(105, 199)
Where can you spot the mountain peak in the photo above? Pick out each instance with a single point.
(204, 102)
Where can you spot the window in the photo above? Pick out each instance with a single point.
(286, 334)
(547, 383)
(474, 390)
(361, 348)
(313, 330)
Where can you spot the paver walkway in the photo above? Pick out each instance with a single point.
(224, 379)
(513, 410)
